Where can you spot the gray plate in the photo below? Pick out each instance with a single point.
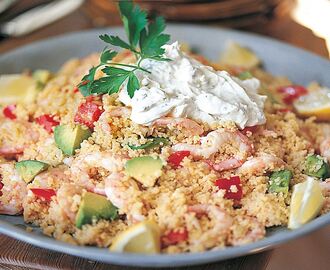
(300, 66)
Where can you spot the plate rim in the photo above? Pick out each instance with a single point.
(161, 260)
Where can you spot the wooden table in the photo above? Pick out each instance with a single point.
(18, 255)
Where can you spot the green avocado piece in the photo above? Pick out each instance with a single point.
(245, 75)
(154, 142)
(69, 137)
(145, 169)
(316, 166)
(94, 207)
(41, 76)
(28, 169)
(279, 181)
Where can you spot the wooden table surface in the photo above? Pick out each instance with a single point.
(18, 255)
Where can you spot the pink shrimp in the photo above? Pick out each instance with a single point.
(118, 191)
(213, 142)
(325, 186)
(188, 125)
(224, 220)
(255, 232)
(13, 190)
(65, 197)
(325, 148)
(120, 112)
(82, 167)
(50, 178)
(261, 163)
(9, 147)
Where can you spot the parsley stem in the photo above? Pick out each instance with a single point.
(131, 66)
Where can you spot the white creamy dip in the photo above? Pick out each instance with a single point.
(184, 87)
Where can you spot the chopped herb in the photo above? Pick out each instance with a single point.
(154, 142)
(144, 40)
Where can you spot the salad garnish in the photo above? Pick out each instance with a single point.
(145, 40)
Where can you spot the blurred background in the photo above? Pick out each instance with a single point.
(304, 23)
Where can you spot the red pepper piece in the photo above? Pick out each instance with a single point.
(1, 186)
(292, 92)
(284, 110)
(247, 130)
(232, 187)
(88, 113)
(175, 158)
(8, 111)
(174, 237)
(47, 121)
(44, 193)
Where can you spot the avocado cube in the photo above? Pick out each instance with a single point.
(28, 169)
(279, 181)
(245, 75)
(41, 76)
(152, 143)
(145, 169)
(94, 207)
(69, 137)
(317, 166)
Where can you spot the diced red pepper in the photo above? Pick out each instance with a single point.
(1, 186)
(292, 92)
(284, 110)
(88, 113)
(174, 237)
(76, 90)
(47, 121)
(8, 111)
(44, 193)
(247, 130)
(175, 158)
(232, 187)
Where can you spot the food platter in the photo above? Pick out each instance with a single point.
(278, 58)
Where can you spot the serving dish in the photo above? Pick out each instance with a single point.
(278, 58)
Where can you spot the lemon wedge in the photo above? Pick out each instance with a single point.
(236, 55)
(16, 88)
(306, 203)
(143, 237)
(315, 103)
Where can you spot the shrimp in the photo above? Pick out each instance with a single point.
(224, 220)
(261, 163)
(213, 142)
(84, 167)
(255, 232)
(324, 143)
(9, 146)
(119, 193)
(113, 186)
(189, 126)
(52, 177)
(120, 112)
(65, 197)
(105, 118)
(13, 190)
(325, 148)
(325, 187)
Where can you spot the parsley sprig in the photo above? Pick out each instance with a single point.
(145, 40)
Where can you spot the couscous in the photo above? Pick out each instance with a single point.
(164, 171)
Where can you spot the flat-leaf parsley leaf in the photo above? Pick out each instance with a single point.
(144, 40)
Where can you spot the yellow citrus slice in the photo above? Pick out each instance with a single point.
(306, 203)
(143, 237)
(316, 103)
(236, 55)
(16, 88)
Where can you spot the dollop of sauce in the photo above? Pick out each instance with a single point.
(183, 87)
